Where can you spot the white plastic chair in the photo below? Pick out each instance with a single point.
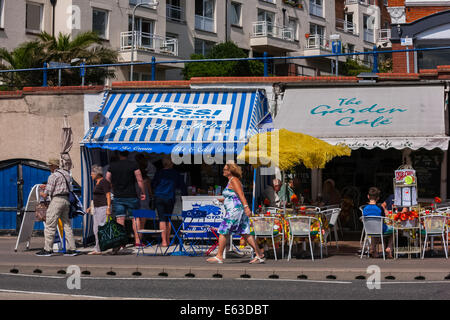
(373, 227)
(264, 228)
(435, 225)
(300, 227)
(361, 208)
(332, 216)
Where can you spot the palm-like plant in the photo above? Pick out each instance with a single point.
(85, 47)
(27, 55)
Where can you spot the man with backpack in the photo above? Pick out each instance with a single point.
(57, 188)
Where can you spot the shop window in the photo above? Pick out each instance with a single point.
(433, 58)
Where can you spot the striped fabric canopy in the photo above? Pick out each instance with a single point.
(183, 121)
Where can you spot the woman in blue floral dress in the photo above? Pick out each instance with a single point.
(237, 213)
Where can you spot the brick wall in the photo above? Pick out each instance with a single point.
(416, 13)
(399, 59)
(396, 3)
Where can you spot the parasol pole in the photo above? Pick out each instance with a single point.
(254, 190)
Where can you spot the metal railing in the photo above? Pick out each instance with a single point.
(366, 2)
(317, 41)
(372, 58)
(268, 29)
(148, 42)
(205, 23)
(174, 13)
(347, 26)
(315, 9)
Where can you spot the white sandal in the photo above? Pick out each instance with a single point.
(257, 260)
(214, 260)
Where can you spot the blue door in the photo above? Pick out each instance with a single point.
(17, 178)
(8, 197)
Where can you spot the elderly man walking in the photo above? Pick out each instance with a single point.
(57, 189)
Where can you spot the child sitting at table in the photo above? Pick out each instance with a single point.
(373, 210)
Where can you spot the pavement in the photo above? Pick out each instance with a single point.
(341, 264)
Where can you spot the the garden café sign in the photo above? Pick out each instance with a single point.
(366, 116)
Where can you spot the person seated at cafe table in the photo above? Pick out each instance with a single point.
(373, 210)
(271, 193)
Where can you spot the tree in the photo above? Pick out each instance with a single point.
(223, 69)
(352, 68)
(85, 47)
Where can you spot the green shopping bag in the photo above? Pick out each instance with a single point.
(111, 235)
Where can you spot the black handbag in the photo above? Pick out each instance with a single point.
(111, 235)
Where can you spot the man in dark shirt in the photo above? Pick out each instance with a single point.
(164, 185)
(123, 175)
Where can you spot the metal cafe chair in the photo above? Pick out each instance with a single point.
(373, 228)
(332, 216)
(435, 225)
(147, 214)
(194, 230)
(264, 228)
(300, 227)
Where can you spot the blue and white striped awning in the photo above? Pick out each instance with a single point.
(183, 122)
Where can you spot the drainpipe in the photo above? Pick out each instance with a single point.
(226, 20)
(53, 3)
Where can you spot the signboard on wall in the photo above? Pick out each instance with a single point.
(363, 111)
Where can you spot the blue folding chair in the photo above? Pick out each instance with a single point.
(195, 231)
(147, 214)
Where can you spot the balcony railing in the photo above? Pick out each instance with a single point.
(369, 35)
(317, 41)
(346, 26)
(268, 29)
(366, 2)
(315, 9)
(384, 35)
(148, 42)
(174, 13)
(205, 23)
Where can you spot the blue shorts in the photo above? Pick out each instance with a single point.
(163, 207)
(123, 207)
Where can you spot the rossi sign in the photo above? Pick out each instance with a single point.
(179, 111)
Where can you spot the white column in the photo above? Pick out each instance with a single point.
(444, 176)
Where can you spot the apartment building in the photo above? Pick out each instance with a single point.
(175, 29)
(426, 23)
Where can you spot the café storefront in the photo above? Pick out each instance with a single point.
(386, 125)
(200, 129)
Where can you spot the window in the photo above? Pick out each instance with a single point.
(202, 46)
(368, 28)
(236, 9)
(316, 8)
(293, 25)
(266, 22)
(144, 30)
(100, 23)
(204, 15)
(33, 17)
(2, 25)
(317, 36)
(135, 2)
(174, 11)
